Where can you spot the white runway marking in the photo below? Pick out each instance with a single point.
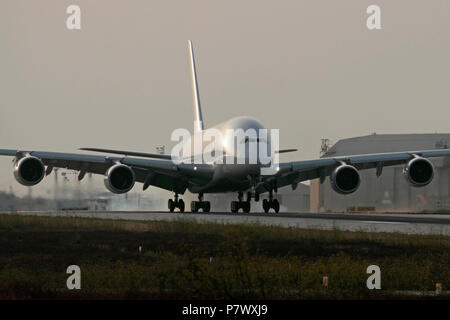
(381, 222)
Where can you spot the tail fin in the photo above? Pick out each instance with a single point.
(198, 118)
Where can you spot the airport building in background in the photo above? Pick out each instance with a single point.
(390, 191)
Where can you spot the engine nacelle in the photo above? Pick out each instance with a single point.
(29, 171)
(419, 172)
(345, 179)
(119, 178)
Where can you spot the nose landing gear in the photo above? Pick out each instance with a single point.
(244, 205)
(176, 203)
(200, 204)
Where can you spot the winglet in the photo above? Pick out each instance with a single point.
(198, 118)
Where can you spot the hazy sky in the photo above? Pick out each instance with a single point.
(310, 68)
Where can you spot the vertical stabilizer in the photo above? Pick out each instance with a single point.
(198, 118)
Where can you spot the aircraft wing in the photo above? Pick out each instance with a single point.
(161, 173)
(131, 153)
(291, 173)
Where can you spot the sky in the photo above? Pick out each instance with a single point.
(309, 68)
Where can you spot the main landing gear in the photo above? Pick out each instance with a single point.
(244, 205)
(177, 203)
(271, 203)
(200, 204)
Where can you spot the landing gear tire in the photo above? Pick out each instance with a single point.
(207, 206)
(194, 207)
(172, 204)
(197, 205)
(181, 205)
(234, 206)
(276, 206)
(244, 205)
(271, 204)
(240, 204)
(266, 205)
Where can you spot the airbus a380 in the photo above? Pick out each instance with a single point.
(121, 172)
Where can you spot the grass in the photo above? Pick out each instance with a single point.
(184, 260)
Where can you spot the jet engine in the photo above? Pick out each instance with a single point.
(29, 170)
(419, 172)
(345, 179)
(119, 178)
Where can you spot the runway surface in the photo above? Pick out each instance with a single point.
(402, 223)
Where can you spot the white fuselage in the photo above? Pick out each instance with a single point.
(237, 165)
(240, 140)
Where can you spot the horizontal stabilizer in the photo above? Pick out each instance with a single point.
(131, 153)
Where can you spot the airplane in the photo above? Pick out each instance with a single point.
(199, 177)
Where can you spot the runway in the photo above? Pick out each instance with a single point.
(370, 222)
